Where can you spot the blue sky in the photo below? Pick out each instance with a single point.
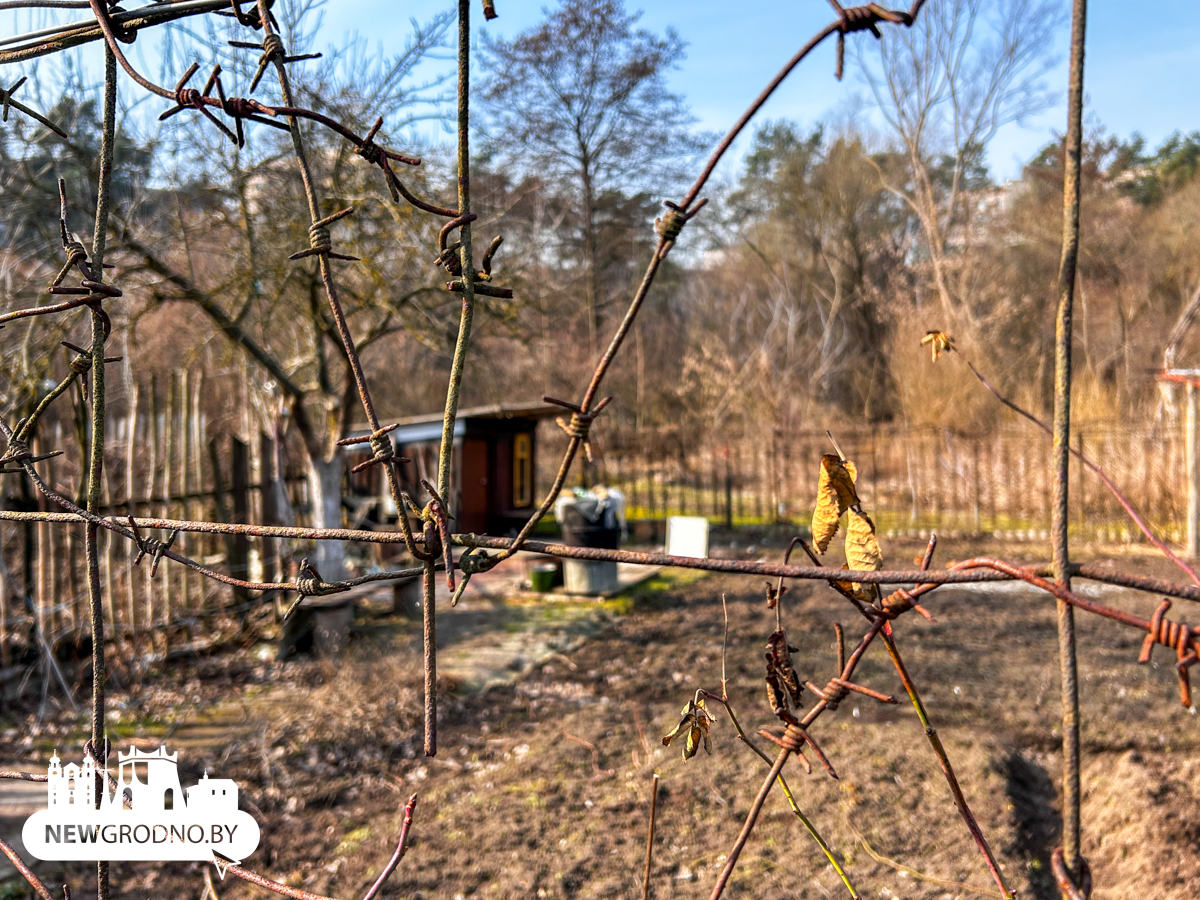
(1138, 76)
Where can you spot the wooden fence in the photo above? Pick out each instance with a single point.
(911, 479)
(160, 460)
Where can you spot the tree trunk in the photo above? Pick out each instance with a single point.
(589, 249)
(325, 494)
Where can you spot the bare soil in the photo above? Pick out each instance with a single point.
(516, 805)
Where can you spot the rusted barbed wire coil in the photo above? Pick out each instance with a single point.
(1176, 635)
(250, 19)
(437, 517)
(381, 450)
(580, 423)
(670, 225)
(310, 584)
(320, 242)
(1081, 891)
(272, 45)
(17, 449)
(833, 693)
(148, 546)
(793, 739)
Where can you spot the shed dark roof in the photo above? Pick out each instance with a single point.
(428, 426)
(495, 411)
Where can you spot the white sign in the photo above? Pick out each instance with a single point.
(687, 536)
(145, 817)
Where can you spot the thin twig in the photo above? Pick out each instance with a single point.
(210, 889)
(687, 208)
(596, 770)
(466, 257)
(947, 769)
(401, 849)
(25, 872)
(262, 881)
(908, 870)
(650, 837)
(1091, 466)
(777, 766)
(787, 793)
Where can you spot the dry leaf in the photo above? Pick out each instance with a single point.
(780, 673)
(859, 592)
(775, 696)
(774, 595)
(694, 722)
(835, 494)
(862, 547)
(939, 342)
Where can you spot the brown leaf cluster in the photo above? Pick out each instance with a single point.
(835, 494)
(694, 722)
(781, 676)
(939, 342)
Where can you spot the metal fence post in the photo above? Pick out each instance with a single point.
(1070, 854)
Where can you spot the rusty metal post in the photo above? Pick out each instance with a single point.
(1072, 152)
(429, 623)
(1193, 477)
(463, 341)
(99, 739)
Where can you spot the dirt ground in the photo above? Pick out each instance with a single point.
(516, 805)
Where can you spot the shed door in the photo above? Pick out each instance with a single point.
(473, 515)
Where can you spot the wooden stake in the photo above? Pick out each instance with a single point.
(650, 838)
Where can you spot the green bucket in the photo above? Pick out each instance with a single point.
(541, 576)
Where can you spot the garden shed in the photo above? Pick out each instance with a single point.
(495, 445)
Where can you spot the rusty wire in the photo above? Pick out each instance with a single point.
(7, 102)
(432, 548)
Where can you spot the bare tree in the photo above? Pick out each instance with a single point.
(220, 246)
(582, 97)
(945, 87)
(791, 314)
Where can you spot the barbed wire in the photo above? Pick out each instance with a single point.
(433, 546)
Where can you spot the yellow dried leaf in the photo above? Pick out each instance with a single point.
(694, 723)
(939, 342)
(693, 743)
(862, 547)
(835, 494)
(853, 588)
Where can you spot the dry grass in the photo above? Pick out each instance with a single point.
(512, 808)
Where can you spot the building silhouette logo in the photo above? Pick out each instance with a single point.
(144, 815)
